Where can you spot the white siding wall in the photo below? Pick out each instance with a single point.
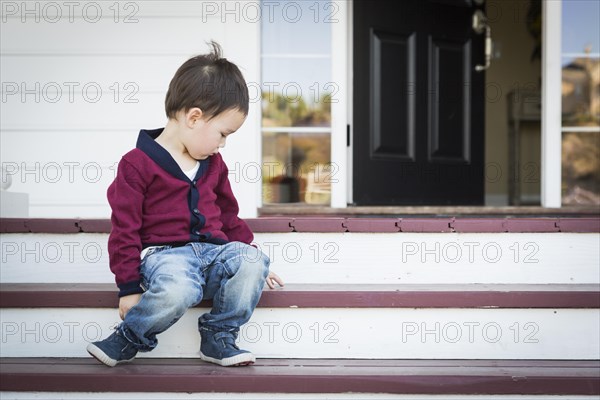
(63, 150)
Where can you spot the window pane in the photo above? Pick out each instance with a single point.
(580, 28)
(297, 27)
(581, 168)
(581, 92)
(580, 102)
(296, 168)
(296, 93)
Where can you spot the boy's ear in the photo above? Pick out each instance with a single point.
(193, 115)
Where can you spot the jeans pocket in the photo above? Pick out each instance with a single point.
(154, 250)
(147, 263)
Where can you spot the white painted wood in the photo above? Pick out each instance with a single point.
(61, 13)
(551, 104)
(135, 53)
(339, 105)
(60, 184)
(242, 154)
(269, 396)
(581, 129)
(308, 129)
(54, 258)
(65, 188)
(350, 97)
(83, 113)
(18, 155)
(169, 35)
(332, 333)
(14, 205)
(103, 70)
(367, 258)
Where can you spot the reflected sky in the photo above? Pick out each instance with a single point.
(298, 27)
(296, 47)
(580, 26)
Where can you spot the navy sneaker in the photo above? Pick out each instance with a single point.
(220, 348)
(113, 350)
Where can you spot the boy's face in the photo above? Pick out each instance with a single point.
(206, 136)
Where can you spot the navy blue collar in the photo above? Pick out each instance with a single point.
(146, 143)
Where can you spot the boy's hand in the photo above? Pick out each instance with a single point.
(272, 279)
(126, 302)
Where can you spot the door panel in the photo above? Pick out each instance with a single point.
(392, 58)
(449, 101)
(418, 103)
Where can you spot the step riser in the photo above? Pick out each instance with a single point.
(332, 333)
(343, 257)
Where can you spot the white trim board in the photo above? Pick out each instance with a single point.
(340, 45)
(551, 104)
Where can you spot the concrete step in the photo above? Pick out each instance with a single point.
(450, 377)
(332, 321)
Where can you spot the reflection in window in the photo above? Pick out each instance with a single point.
(580, 83)
(296, 102)
(580, 103)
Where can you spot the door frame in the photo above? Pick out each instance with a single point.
(341, 106)
(551, 164)
(341, 111)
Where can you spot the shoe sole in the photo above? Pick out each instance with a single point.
(101, 356)
(240, 360)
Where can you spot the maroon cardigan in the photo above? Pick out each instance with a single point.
(154, 203)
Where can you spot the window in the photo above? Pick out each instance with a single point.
(580, 102)
(296, 102)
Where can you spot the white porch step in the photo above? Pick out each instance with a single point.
(333, 321)
(349, 258)
(332, 333)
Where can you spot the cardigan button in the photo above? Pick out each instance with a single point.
(196, 211)
(196, 232)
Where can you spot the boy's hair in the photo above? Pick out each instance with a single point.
(209, 82)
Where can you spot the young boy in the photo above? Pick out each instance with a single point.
(176, 237)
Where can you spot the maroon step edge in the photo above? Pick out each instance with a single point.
(337, 224)
(463, 377)
(80, 295)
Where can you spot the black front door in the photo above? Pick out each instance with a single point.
(418, 117)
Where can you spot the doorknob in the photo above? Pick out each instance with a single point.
(480, 25)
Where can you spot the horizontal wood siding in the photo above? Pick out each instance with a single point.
(62, 143)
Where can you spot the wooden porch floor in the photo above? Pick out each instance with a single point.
(305, 376)
(381, 211)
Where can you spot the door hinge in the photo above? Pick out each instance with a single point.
(348, 135)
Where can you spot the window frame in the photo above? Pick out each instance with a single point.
(551, 179)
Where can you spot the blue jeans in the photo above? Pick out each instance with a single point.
(175, 279)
